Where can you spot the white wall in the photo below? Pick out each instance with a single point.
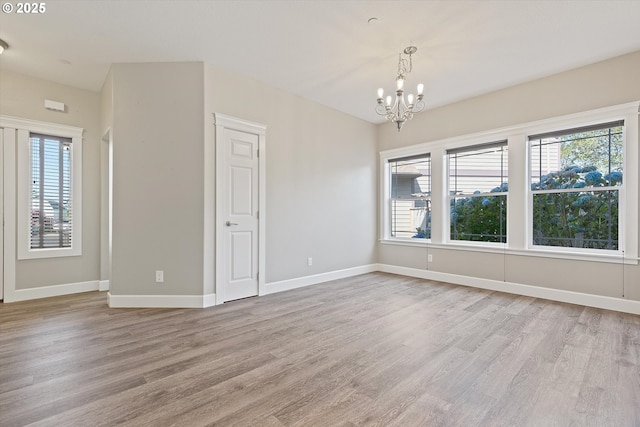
(598, 85)
(23, 97)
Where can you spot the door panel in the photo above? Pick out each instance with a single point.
(241, 191)
(240, 215)
(242, 267)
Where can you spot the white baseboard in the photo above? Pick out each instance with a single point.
(590, 300)
(160, 301)
(51, 291)
(299, 282)
(103, 285)
(209, 300)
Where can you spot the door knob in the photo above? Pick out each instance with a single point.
(229, 223)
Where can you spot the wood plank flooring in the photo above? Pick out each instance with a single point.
(372, 350)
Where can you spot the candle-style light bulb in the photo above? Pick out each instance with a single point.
(420, 88)
(380, 93)
(410, 98)
(388, 100)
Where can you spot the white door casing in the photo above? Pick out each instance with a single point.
(240, 216)
(239, 209)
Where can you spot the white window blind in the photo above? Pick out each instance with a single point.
(51, 196)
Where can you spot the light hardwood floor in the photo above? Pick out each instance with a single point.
(376, 349)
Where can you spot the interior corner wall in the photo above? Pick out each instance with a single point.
(158, 136)
(23, 97)
(320, 176)
(106, 122)
(602, 84)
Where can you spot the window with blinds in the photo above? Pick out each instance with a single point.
(51, 193)
(478, 192)
(410, 201)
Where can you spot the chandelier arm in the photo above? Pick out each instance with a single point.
(381, 110)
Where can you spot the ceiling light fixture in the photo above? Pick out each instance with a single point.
(400, 111)
(3, 46)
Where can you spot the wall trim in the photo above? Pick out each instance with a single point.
(299, 282)
(160, 301)
(51, 291)
(579, 298)
(103, 285)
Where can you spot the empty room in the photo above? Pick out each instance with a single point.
(440, 224)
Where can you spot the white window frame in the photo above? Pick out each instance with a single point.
(621, 205)
(24, 128)
(519, 202)
(391, 199)
(385, 168)
(628, 193)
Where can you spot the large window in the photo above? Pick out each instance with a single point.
(576, 176)
(410, 198)
(478, 193)
(564, 187)
(51, 219)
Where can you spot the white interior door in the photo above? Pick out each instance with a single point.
(240, 214)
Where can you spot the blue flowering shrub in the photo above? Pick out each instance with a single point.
(585, 218)
(480, 219)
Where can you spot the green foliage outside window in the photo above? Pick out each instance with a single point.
(480, 218)
(583, 219)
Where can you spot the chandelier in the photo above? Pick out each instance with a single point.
(401, 110)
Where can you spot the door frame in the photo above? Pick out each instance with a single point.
(221, 123)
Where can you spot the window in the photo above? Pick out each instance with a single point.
(410, 198)
(49, 188)
(564, 187)
(478, 193)
(51, 219)
(576, 177)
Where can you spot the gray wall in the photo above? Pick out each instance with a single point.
(158, 134)
(603, 84)
(23, 97)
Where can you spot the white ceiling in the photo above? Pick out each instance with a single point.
(325, 50)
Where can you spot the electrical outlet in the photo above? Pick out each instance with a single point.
(430, 258)
(159, 276)
(309, 262)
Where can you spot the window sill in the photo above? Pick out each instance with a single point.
(24, 254)
(615, 258)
